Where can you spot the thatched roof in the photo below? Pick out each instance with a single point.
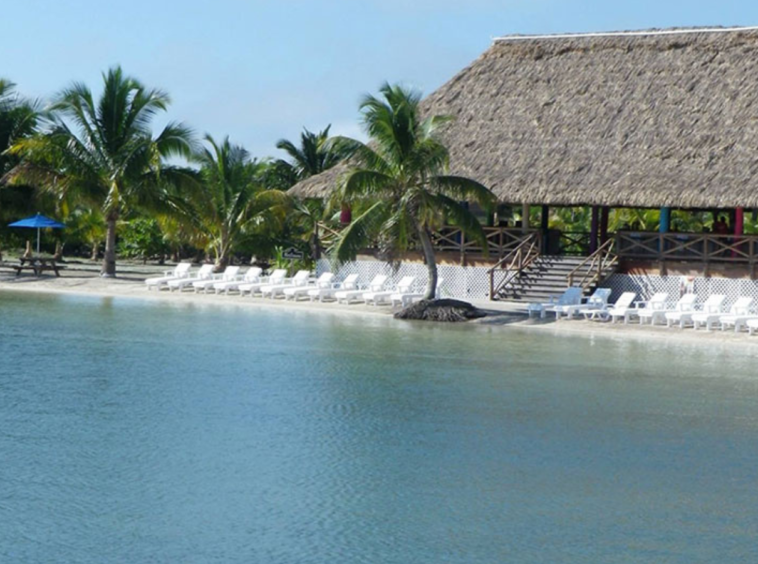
(643, 119)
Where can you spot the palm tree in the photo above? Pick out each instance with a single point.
(315, 155)
(230, 202)
(401, 173)
(104, 154)
(18, 119)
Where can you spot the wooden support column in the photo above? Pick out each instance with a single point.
(605, 213)
(739, 221)
(594, 229)
(525, 218)
(545, 227)
(664, 226)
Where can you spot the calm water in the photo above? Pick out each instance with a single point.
(135, 432)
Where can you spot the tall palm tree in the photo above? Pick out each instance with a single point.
(18, 119)
(103, 153)
(314, 155)
(402, 174)
(230, 202)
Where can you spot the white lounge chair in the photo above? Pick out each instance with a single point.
(253, 274)
(572, 296)
(278, 276)
(181, 270)
(711, 306)
(349, 283)
(752, 325)
(740, 316)
(299, 279)
(685, 303)
(383, 296)
(229, 274)
(619, 310)
(598, 300)
(205, 273)
(740, 307)
(323, 281)
(656, 303)
(406, 299)
(348, 296)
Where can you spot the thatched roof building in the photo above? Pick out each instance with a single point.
(637, 119)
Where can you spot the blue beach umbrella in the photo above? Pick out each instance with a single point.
(38, 222)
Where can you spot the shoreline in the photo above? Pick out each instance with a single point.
(500, 315)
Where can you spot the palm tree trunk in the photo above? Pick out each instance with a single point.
(109, 258)
(431, 262)
(95, 250)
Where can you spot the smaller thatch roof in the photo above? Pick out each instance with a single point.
(635, 119)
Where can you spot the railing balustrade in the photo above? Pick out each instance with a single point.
(705, 248)
(594, 266)
(512, 265)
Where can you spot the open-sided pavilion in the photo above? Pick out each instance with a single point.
(664, 119)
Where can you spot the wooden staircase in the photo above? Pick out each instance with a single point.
(544, 275)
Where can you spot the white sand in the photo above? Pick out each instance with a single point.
(130, 284)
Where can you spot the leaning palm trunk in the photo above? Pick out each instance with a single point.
(109, 258)
(431, 263)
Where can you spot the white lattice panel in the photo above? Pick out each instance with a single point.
(645, 286)
(462, 282)
(472, 282)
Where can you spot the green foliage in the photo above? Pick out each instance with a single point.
(103, 154)
(400, 182)
(230, 203)
(141, 238)
(314, 155)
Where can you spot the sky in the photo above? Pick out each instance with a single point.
(261, 70)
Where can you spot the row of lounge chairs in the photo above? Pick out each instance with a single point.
(277, 284)
(659, 309)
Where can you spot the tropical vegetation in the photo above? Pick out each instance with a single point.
(401, 181)
(124, 187)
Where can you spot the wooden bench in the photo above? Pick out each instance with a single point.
(37, 265)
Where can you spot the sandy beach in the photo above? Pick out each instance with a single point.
(84, 279)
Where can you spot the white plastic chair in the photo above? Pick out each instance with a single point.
(273, 290)
(655, 314)
(572, 296)
(383, 296)
(229, 274)
(711, 306)
(278, 276)
(740, 308)
(253, 274)
(406, 299)
(347, 296)
(323, 281)
(598, 300)
(205, 273)
(349, 283)
(656, 303)
(181, 270)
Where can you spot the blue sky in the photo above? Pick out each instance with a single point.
(260, 70)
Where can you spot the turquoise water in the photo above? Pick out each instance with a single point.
(135, 431)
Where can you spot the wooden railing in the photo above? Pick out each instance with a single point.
(574, 243)
(500, 241)
(705, 248)
(594, 266)
(514, 263)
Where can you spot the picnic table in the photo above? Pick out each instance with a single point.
(38, 265)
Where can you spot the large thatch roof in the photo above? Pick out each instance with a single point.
(644, 119)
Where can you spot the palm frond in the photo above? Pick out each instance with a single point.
(360, 232)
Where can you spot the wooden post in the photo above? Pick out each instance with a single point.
(594, 229)
(544, 226)
(739, 221)
(604, 216)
